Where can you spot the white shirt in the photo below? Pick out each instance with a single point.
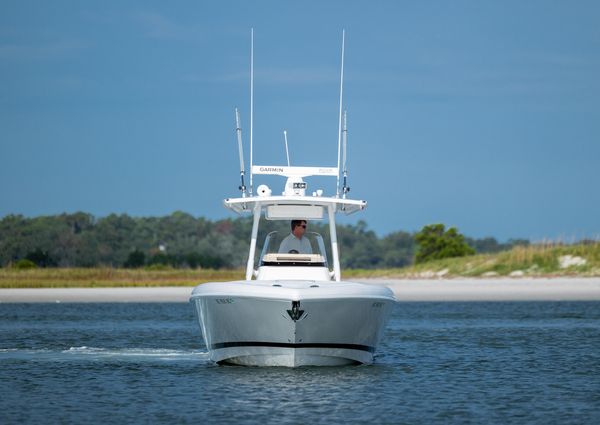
(291, 242)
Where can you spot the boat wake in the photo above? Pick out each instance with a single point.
(84, 353)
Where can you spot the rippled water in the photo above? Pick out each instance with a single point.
(438, 363)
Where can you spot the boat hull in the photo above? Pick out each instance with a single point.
(292, 323)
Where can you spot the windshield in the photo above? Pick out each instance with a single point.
(285, 250)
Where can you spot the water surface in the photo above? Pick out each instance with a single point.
(439, 363)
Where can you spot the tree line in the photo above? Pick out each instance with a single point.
(184, 241)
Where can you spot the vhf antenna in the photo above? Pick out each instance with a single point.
(345, 187)
(287, 152)
(337, 187)
(238, 130)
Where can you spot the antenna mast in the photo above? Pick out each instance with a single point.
(287, 152)
(238, 130)
(340, 120)
(345, 187)
(251, 100)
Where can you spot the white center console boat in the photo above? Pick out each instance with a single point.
(292, 309)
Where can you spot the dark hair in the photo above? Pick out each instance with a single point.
(297, 223)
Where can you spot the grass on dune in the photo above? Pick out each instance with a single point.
(109, 277)
(537, 260)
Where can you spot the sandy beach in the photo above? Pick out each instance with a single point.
(523, 289)
(540, 289)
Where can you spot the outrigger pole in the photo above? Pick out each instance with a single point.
(287, 152)
(238, 130)
(340, 119)
(345, 187)
(251, 100)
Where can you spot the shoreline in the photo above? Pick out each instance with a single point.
(458, 289)
(497, 289)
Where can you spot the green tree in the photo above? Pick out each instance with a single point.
(491, 245)
(135, 260)
(81, 240)
(359, 247)
(435, 242)
(113, 235)
(398, 249)
(24, 264)
(161, 258)
(40, 258)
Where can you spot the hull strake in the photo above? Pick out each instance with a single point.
(292, 345)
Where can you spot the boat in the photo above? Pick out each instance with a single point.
(293, 309)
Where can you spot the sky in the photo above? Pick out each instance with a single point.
(483, 115)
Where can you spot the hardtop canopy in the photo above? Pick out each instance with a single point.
(294, 207)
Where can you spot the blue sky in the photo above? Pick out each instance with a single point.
(480, 114)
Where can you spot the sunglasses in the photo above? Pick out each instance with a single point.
(302, 225)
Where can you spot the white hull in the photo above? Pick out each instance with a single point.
(292, 323)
